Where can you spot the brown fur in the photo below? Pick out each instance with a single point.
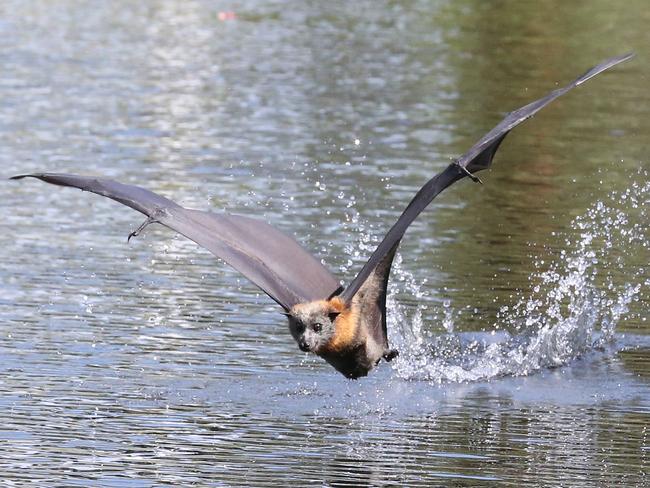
(346, 327)
(356, 339)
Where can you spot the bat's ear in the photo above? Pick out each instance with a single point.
(332, 316)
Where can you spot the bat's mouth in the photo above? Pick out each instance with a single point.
(304, 347)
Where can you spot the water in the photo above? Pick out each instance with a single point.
(520, 306)
(573, 310)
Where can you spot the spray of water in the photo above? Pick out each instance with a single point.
(574, 307)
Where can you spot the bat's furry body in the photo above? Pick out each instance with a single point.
(345, 326)
(351, 336)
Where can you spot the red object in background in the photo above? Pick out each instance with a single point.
(226, 16)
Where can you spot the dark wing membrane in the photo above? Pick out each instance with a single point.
(479, 157)
(373, 304)
(272, 260)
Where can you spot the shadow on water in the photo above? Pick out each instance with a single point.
(150, 364)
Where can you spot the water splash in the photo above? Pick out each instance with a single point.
(575, 304)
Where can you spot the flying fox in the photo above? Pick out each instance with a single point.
(346, 326)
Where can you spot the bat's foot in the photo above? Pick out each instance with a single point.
(137, 231)
(390, 355)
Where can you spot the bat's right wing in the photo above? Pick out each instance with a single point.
(479, 157)
(272, 260)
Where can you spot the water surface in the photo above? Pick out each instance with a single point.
(520, 306)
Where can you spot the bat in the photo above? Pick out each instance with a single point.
(344, 326)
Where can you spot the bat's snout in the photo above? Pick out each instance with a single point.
(304, 347)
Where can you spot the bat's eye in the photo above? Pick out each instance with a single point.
(317, 327)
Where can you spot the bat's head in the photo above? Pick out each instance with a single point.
(312, 324)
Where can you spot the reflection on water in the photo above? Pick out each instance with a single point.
(151, 364)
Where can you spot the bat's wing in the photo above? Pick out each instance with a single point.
(371, 299)
(272, 260)
(479, 157)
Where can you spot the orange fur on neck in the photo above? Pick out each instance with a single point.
(345, 326)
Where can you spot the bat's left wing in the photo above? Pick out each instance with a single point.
(479, 157)
(272, 260)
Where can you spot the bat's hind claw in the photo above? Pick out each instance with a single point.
(390, 355)
(137, 231)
